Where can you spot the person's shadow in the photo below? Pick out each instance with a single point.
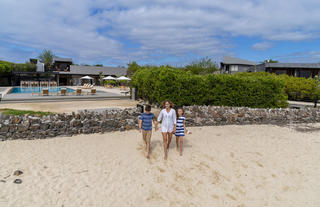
(159, 143)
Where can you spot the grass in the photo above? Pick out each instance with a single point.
(23, 112)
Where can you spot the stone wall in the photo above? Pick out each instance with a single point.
(35, 127)
(215, 115)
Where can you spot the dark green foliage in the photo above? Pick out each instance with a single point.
(132, 68)
(8, 67)
(157, 84)
(270, 61)
(109, 82)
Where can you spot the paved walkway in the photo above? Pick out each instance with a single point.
(301, 104)
(70, 106)
(101, 93)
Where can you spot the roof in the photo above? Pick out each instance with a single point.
(293, 65)
(94, 70)
(59, 59)
(236, 61)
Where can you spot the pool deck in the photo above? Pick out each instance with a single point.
(101, 94)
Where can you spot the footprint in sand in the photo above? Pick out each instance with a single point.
(231, 196)
(259, 164)
(285, 188)
(161, 170)
(215, 196)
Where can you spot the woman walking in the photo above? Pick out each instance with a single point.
(168, 125)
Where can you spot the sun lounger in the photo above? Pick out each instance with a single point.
(93, 91)
(63, 92)
(45, 92)
(78, 92)
(127, 92)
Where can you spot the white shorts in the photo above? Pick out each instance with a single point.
(167, 129)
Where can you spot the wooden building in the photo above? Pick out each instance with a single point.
(306, 70)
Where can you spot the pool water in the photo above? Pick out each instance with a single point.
(37, 90)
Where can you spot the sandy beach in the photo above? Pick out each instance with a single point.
(238, 166)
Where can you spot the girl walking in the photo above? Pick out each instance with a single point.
(180, 129)
(168, 125)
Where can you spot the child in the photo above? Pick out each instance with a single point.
(145, 127)
(180, 129)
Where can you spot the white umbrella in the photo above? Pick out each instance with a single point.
(123, 78)
(109, 78)
(86, 77)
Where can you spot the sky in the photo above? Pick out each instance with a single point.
(174, 32)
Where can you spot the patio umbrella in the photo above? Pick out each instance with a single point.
(123, 78)
(86, 77)
(109, 78)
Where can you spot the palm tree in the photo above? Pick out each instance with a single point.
(46, 57)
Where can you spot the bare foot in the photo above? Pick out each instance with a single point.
(148, 157)
(165, 157)
(180, 153)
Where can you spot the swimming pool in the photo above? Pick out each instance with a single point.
(37, 90)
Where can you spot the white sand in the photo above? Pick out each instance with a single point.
(221, 166)
(70, 106)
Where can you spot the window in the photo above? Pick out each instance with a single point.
(304, 73)
(279, 72)
(233, 68)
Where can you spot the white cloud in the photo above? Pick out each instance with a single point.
(262, 45)
(300, 57)
(158, 29)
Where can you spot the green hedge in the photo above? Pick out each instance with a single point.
(7, 67)
(157, 84)
(297, 89)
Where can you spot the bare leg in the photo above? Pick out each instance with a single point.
(181, 143)
(165, 144)
(169, 139)
(148, 149)
(144, 136)
(177, 142)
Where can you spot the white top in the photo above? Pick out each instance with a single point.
(168, 120)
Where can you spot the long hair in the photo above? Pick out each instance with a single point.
(164, 104)
(178, 110)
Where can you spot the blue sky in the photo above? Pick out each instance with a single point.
(161, 31)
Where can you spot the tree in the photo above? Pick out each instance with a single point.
(202, 66)
(270, 61)
(98, 65)
(46, 57)
(132, 68)
(101, 78)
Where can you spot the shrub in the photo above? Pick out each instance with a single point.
(7, 67)
(297, 89)
(301, 89)
(202, 66)
(157, 84)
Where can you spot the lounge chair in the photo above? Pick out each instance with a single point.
(45, 92)
(63, 92)
(86, 86)
(93, 91)
(78, 92)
